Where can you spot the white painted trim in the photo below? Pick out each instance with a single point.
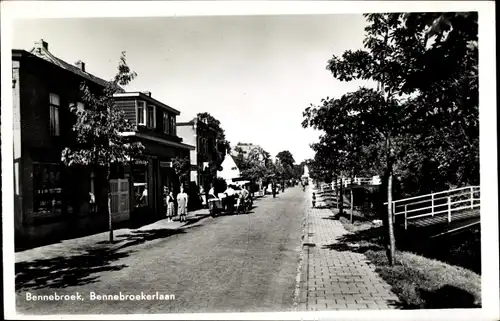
(157, 139)
(153, 126)
(137, 112)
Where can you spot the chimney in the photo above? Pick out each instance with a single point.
(147, 93)
(80, 64)
(40, 44)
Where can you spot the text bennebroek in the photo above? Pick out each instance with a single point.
(92, 296)
(131, 297)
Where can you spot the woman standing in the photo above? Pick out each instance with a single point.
(182, 203)
(170, 206)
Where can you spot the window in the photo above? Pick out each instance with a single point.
(47, 187)
(173, 129)
(166, 123)
(140, 177)
(54, 115)
(151, 116)
(141, 112)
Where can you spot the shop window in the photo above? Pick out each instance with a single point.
(47, 187)
(140, 178)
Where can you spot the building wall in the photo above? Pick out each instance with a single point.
(16, 113)
(33, 144)
(188, 135)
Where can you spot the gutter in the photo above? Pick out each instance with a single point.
(158, 140)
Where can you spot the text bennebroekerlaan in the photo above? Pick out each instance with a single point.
(131, 297)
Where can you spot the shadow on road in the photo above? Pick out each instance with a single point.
(62, 272)
(80, 269)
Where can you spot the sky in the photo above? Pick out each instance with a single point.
(255, 74)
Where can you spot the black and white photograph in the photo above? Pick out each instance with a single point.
(296, 160)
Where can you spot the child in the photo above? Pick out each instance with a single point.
(314, 199)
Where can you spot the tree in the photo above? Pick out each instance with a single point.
(97, 129)
(223, 146)
(426, 69)
(286, 158)
(286, 163)
(182, 168)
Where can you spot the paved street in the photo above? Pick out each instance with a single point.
(336, 278)
(239, 263)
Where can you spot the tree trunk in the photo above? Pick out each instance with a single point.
(390, 224)
(352, 204)
(110, 217)
(341, 197)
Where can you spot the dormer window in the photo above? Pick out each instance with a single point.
(140, 108)
(151, 116)
(166, 123)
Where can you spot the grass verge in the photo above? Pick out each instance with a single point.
(418, 281)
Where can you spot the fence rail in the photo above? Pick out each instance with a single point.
(375, 180)
(437, 204)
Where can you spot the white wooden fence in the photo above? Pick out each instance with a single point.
(440, 203)
(375, 180)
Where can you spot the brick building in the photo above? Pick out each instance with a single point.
(203, 137)
(52, 200)
(156, 129)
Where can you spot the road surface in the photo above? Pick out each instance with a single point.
(238, 263)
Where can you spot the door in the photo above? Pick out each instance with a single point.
(120, 204)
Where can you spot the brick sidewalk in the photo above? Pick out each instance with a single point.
(80, 245)
(338, 280)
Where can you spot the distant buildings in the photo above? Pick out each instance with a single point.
(52, 199)
(230, 170)
(204, 137)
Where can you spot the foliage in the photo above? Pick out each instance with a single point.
(429, 61)
(219, 185)
(424, 120)
(285, 166)
(98, 126)
(254, 165)
(223, 145)
(182, 167)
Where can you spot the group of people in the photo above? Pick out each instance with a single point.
(230, 198)
(182, 204)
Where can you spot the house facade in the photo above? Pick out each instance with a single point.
(204, 138)
(53, 200)
(47, 200)
(156, 130)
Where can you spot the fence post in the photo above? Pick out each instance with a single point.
(449, 209)
(472, 197)
(432, 205)
(406, 217)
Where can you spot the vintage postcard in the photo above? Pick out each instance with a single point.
(249, 160)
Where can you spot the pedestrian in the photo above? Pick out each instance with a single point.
(170, 202)
(182, 204)
(314, 199)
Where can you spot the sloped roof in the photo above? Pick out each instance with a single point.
(46, 55)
